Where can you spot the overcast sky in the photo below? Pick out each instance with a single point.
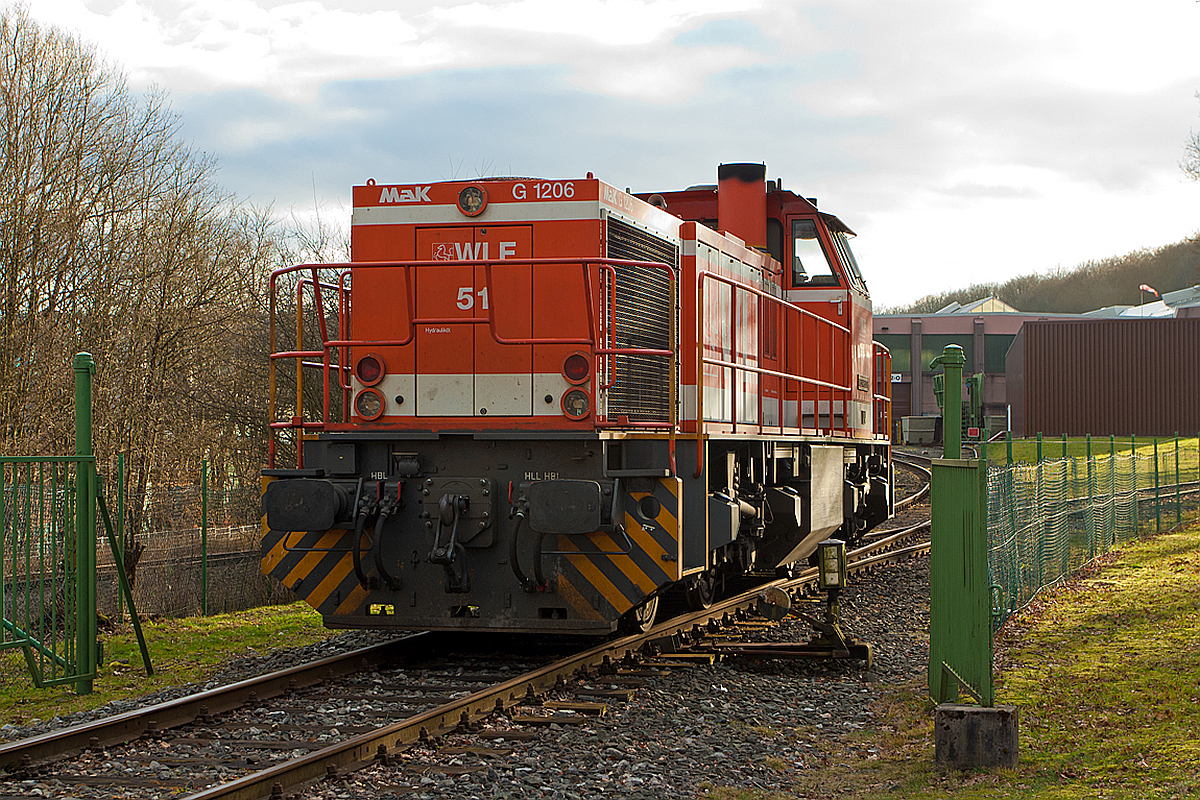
(963, 140)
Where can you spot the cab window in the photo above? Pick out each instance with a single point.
(810, 265)
(842, 242)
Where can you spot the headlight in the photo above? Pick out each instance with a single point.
(472, 200)
(575, 404)
(369, 404)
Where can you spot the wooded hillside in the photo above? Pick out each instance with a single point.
(1091, 285)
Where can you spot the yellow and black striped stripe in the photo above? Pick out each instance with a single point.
(596, 583)
(318, 566)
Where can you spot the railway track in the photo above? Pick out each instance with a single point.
(269, 736)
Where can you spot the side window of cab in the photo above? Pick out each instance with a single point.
(810, 264)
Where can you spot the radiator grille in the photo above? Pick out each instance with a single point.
(642, 317)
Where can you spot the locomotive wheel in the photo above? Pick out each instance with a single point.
(640, 619)
(701, 591)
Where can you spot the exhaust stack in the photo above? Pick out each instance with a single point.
(742, 202)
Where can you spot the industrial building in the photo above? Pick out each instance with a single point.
(1105, 376)
(986, 329)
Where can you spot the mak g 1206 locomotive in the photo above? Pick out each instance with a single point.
(545, 403)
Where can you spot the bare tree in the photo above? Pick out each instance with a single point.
(1191, 155)
(116, 239)
(1191, 159)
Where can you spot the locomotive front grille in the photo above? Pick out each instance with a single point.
(642, 317)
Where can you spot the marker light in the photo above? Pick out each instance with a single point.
(575, 404)
(472, 200)
(370, 369)
(369, 404)
(576, 368)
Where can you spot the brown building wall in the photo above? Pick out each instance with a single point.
(1014, 384)
(1109, 376)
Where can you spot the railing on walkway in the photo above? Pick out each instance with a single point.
(597, 287)
(883, 389)
(811, 386)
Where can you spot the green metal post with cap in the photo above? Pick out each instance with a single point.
(86, 644)
(960, 635)
(951, 360)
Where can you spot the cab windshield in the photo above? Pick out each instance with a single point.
(813, 266)
(810, 263)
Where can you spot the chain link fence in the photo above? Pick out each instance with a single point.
(1049, 518)
(199, 551)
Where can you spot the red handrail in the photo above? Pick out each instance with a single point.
(882, 394)
(598, 325)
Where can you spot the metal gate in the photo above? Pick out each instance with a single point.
(48, 508)
(41, 561)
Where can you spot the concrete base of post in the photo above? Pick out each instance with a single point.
(971, 737)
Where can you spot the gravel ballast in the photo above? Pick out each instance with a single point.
(739, 723)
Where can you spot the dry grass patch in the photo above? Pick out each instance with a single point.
(186, 650)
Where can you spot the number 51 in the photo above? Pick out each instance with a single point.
(466, 299)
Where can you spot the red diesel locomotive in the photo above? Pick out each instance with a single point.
(538, 405)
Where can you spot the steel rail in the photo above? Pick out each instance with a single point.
(923, 471)
(362, 749)
(130, 725)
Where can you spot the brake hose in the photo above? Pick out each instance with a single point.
(359, 525)
(537, 565)
(377, 551)
(525, 582)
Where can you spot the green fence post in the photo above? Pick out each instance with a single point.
(1112, 489)
(204, 537)
(1157, 507)
(1133, 462)
(1178, 509)
(86, 655)
(1041, 512)
(960, 611)
(1091, 513)
(120, 529)
(1064, 440)
(1008, 441)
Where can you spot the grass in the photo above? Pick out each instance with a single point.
(1106, 674)
(1025, 450)
(187, 650)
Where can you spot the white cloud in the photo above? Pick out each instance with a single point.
(964, 141)
(290, 49)
(612, 23)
